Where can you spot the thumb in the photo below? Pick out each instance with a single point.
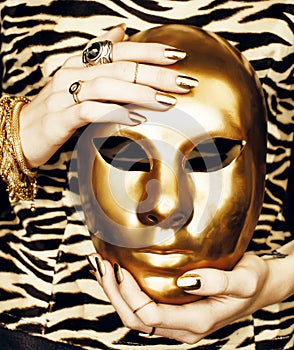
(242, 281)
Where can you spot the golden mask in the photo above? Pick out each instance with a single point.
(183, 190)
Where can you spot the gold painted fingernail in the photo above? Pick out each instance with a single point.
(117, 273)
(96, 264)
(174, 54)
(165, 99)
(189, 282)
(137, 118)
(186, 82)
(100, 266)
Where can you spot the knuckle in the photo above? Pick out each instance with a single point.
(131, 324)
(190, 339)
(151, 320)
(205, 326)
(85, 111)
(68, 62)
(50, 102)
(251, 287)
(97, 85)
(58, 79)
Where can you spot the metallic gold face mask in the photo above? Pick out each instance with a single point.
(183, 190)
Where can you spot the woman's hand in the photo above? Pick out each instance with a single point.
(53, 116)
(253, 283)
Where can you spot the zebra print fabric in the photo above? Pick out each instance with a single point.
(46, 288)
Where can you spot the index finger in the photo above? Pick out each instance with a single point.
(152, 53)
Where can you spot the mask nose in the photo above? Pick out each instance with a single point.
(175, 220)
(167, 200)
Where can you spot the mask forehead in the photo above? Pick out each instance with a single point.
(227, 82)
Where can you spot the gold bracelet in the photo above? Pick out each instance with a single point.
(21, 181)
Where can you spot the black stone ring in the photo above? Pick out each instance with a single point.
(98, 52)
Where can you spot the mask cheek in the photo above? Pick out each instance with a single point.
(222, 201)
(117, 192)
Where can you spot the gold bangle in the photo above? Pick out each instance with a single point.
(21, 181)
(16, 139)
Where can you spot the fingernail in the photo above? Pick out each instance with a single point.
(100, 266)
(189, 281)
(174, 54)
(123, 26)
(165, 99)
(117, 273)
(92, 272)
(91, 261)
(96, 264)
(186, 82)
(137, 118)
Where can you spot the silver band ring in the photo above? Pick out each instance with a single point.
(141, 307)
(136, 73)
(98, 52)
(74, 89)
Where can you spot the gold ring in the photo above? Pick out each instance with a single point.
(136, 73)
(141, 307)
(74, 89)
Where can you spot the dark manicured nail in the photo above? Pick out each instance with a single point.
(117, 273)
(100, 266)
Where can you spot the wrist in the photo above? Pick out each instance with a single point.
(279, 284)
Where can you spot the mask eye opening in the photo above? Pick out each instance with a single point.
(122, 153)
(213, 154)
